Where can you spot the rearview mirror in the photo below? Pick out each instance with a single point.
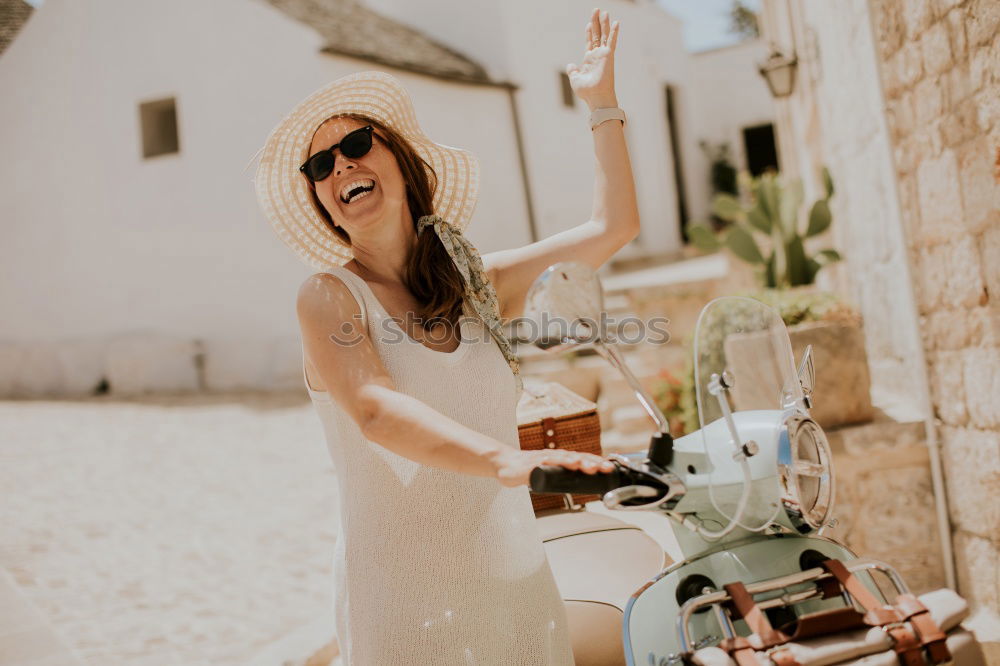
(565, 305)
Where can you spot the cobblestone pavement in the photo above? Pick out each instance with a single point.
(186, 530)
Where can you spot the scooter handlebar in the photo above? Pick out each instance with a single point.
(555, 479)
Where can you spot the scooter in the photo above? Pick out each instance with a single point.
(748, 495)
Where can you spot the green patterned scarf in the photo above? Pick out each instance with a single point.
(479, 290)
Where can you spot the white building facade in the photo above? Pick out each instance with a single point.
(127, 273)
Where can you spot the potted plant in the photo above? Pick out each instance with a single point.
(822, 320)
(768, 231)
(834, 331)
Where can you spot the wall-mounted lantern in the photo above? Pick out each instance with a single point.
(779, 72)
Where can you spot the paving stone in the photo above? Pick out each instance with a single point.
(169, 530)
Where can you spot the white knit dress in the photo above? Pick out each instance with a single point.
(431, 566)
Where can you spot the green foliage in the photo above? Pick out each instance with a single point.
(798, 306)
(727, 207)
(765, 229)
(723, 173)
(741, 243)
(743, 21)
(703, 237)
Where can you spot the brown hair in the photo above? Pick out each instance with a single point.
(431, 275)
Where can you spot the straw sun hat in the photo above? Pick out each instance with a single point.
(286, 199)
(284, 194)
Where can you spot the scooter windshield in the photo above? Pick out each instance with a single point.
(742, 355)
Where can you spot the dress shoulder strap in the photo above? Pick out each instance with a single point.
(351, 280)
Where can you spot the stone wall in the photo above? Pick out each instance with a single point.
(835, 118)
(883, 479)
(941, 82)
(907, 93)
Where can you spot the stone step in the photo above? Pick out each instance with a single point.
(616, 393)
(699, 269)
(615, 302)
(580, 375)
(623, 263)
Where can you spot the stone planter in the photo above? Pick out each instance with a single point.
(842, 393)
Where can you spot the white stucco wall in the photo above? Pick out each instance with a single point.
(99, 244)
(836, 117)
(649, 55)
(729, 95)
(535, 41)
(870, 226)
(163, 273)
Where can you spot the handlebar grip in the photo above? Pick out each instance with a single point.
(556, 479)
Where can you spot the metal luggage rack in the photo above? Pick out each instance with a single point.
(716, 598)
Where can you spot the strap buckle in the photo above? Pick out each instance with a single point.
(894, 625)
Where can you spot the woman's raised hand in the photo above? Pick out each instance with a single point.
(514, 467)
(593, 79)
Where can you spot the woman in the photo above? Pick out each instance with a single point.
(438, 559)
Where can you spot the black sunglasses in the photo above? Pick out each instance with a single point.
(354, 145)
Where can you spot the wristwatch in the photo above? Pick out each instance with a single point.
(598, 116)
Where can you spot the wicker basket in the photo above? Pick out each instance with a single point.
(550, 416)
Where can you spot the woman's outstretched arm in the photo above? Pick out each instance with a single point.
(339, 348)
(615, 204)
(614, 221)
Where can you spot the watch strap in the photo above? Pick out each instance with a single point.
(598, 116)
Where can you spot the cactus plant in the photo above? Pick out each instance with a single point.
(773, 215)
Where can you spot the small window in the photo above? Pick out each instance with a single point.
(569, 98)
(760, 149)
(159, 127)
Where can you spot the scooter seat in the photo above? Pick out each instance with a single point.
(558, 523)
(597, 558)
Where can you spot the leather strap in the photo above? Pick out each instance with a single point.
(876, 613)
(929, 634)
(856, 588)
(744, 607)
(908, 624)
(906, 645)
(907, 642)
(829, 588)
(820, 623)
(741, 649)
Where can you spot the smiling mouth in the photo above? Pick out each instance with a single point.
(357, 191)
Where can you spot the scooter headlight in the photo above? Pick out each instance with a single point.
(805, 467)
